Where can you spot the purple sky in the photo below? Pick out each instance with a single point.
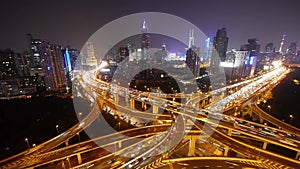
(73, 22)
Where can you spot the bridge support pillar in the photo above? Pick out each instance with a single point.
(155, 109)
(67, 143)
(298, 156)
(127, 102)
(229, 132)
(116, 96)
(79, 159)
(144, 105)
(202, 103)
(212, 99)
(226, 151)
(261, 120)
(119, 144)
(132, 103)
(265, 145)
(192, 145)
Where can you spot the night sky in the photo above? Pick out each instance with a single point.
(73, 22)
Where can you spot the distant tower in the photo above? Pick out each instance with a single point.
(281, 44)
(191, 38)
(145, 43)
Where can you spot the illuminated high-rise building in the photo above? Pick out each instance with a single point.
(47, 63)
(91, 58)
(8, 65)
(270, 48)
(123, 53)
(207, 52)
(292, 49)
(145, 42)
(253, 47)
(57, 66)
(70, 57)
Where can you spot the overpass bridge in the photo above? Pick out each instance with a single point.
(106, 95)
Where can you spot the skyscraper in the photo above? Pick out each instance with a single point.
(253, 47)
(24, 64)
(123, 53)
(270, 48)
(145, 42)
(221, 43)
(47, 63)
(8, 65)
(91, 58)
(292, 49)
(70, 57)
(57, 65)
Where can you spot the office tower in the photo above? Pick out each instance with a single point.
(123, 53)
(23, 64)
(70, 57)
(221, 43)
(292, 49)
(281, 44)
(132, 52)
(161, 55)
(56, 64)
(91, 58)
(253, 47)
(234, 64)
(46, 64)
(270, 48)
(145, 42)
(11, 72)
(8, 65)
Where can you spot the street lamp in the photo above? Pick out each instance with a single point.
(291, 118)
(57, 128)
(269, 107)
(79, 139)
(119, 125)
(28, 145)
(80, 114)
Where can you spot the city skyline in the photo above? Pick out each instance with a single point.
(54, 21)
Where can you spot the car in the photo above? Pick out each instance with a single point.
(117, 163)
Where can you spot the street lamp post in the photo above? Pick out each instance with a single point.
(119, 125)
(28, 145)
(291, 118)
(79, 139)
(269, 107)
(80, 114)
(57, 128)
